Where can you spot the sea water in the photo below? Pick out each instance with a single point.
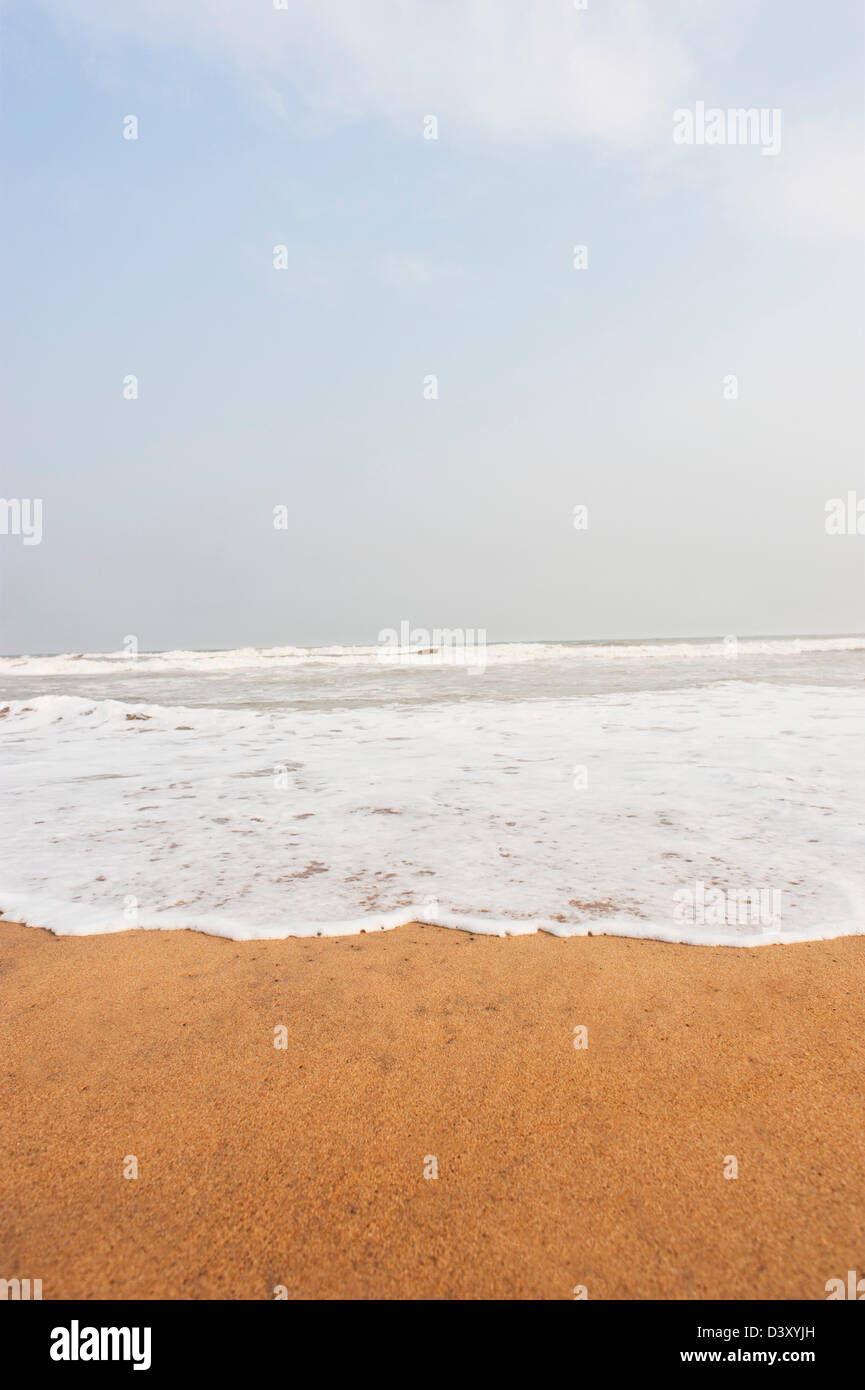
(689, 791)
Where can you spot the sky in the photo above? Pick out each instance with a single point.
(695, 383)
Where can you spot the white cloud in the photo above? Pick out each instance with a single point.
(517, 68)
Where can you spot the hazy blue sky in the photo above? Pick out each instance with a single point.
(408, 257)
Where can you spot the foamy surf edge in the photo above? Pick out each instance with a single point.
(73, 920)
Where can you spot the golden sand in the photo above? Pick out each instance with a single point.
(304, 1166)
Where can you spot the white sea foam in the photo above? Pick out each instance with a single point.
(591, 813)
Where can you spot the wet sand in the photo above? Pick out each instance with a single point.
(303, 1168)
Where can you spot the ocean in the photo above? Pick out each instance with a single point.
(704, 792)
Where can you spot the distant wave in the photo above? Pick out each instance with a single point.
(495, 654)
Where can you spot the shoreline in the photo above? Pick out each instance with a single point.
(624, 928)
(303, 1167)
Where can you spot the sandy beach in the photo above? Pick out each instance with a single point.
(302, 1167)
